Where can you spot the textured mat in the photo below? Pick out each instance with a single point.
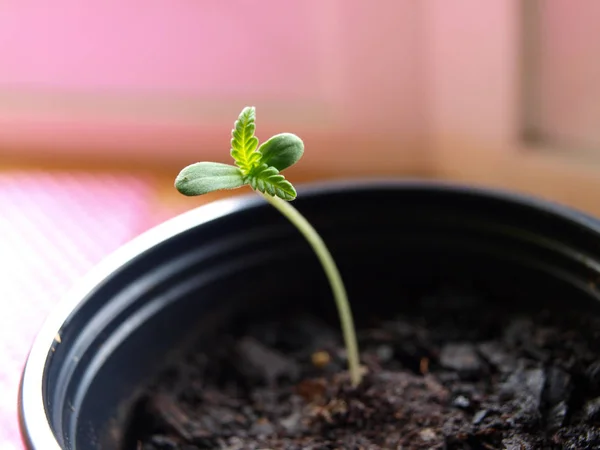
(53, 229)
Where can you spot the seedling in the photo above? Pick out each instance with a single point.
(260, 167)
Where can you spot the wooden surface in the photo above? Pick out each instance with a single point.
(574, 182)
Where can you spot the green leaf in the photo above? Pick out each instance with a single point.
(268, 180)
(243, 141)
(203, 177)
(281, 151)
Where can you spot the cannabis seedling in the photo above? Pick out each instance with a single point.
(260, 167)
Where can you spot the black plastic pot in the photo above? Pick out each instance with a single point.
(141, 306)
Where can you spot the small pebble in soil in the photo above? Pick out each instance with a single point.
(556, 416)
(266, 363)
(558, 386)
(462, 358)
(524, 389)
(479, 416)
(461, 402)
(593, 374)
(592, 410)
(497, 356)
(320, 359)
(427, 434)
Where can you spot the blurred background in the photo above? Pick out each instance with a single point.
(101, 105)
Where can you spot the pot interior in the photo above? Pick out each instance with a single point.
(392, 242)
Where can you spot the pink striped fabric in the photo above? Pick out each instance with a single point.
(54, 228)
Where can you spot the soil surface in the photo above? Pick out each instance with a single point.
(469, 377)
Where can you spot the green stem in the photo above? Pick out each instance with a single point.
(335, 280)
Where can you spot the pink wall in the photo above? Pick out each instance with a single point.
(160, 46)
(565, 90)
(127, 77)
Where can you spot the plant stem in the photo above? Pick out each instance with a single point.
(335, 280)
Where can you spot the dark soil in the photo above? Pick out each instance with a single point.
(470, 377)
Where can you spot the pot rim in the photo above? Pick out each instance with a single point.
(35, 426)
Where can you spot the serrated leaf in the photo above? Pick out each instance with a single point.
(281, 151)
(268, 180)
(204, 177)
(243, 141)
